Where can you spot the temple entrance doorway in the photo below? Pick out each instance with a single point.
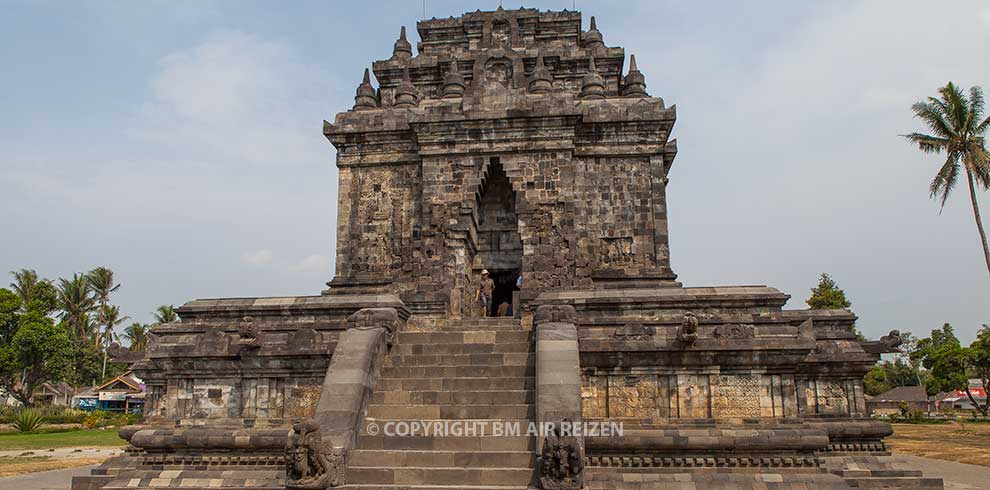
(499, 243)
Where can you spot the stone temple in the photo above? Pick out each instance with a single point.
(518, 142)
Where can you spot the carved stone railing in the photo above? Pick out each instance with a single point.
(317, 449)
(558, 397)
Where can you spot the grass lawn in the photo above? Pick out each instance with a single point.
(963, 443)
(75, 438)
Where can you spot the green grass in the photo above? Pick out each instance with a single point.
(75, 438)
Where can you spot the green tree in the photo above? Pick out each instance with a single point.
(101, 283)
(888, 375)
(165, 314)
(959, 129)
(10, 305)
(38, 352)
(979, 365)
(110, 318)
(137, 336)
(827, 295)
(950, 365)
(25, 282)
(76, 301)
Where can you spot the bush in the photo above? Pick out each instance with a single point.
(63, 415)
(94, 419)
(27, 420)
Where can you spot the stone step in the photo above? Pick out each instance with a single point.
(465, 337)
(445, 443)
(485, 322)
(451, 412)
(432, 487)
(458, 459)
(510, 359)
(457, 384)
(444, 349)
(384, 475)
(457, 372)
(899, 483)
(500, 397)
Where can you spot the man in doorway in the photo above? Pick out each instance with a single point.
(484, 293)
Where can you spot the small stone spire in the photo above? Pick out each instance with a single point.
(634, 84)
(593, 86)
(593, 38)
(402, 49)
(405, 93)
(541, 82)
(366, 98)
(453, 82)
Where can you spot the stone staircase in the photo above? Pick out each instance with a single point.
(476, 372)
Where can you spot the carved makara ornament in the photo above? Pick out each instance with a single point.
(309, 462)
(561, 461)
(688, 331)
(892, 340)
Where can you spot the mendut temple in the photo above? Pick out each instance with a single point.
(514, 142)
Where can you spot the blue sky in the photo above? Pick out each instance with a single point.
(179, 143)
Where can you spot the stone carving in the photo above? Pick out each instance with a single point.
(737, 396)
(892, 340)
(498, 72)
(734, 331)
(367, 318)
(688, 331)
(311, 463)
(555, 314)
(561, 461)
(831, 397)
(634, 331)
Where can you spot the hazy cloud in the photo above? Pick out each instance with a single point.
(257, 258)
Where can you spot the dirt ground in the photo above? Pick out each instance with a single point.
(22, 462)
(959, 442)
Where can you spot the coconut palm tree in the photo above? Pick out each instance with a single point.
(25, 282)
(109, 318)
(101, 283)
(165, 314)
(958, 128)
(75, 300)
(137, 336)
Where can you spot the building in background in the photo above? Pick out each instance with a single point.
(124, 394)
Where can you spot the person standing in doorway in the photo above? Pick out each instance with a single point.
(484, 293)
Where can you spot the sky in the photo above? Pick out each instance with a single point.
(180, 143)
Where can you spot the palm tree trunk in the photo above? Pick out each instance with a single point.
(976, 214)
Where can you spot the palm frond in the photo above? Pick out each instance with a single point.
(975, 111)
(957, 105)
(945, 180)
(982, 128)
(934, 118)
(928, 143)
(979, 165)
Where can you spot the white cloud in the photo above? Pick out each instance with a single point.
(257, 258)
(236, 97)
(311, 264)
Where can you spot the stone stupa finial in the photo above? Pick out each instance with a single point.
(541, 82)
(366, 97)
(453, 82)
(634, 84)
(405, 94)
(402, 49)
(592, 86)
(593, 38)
